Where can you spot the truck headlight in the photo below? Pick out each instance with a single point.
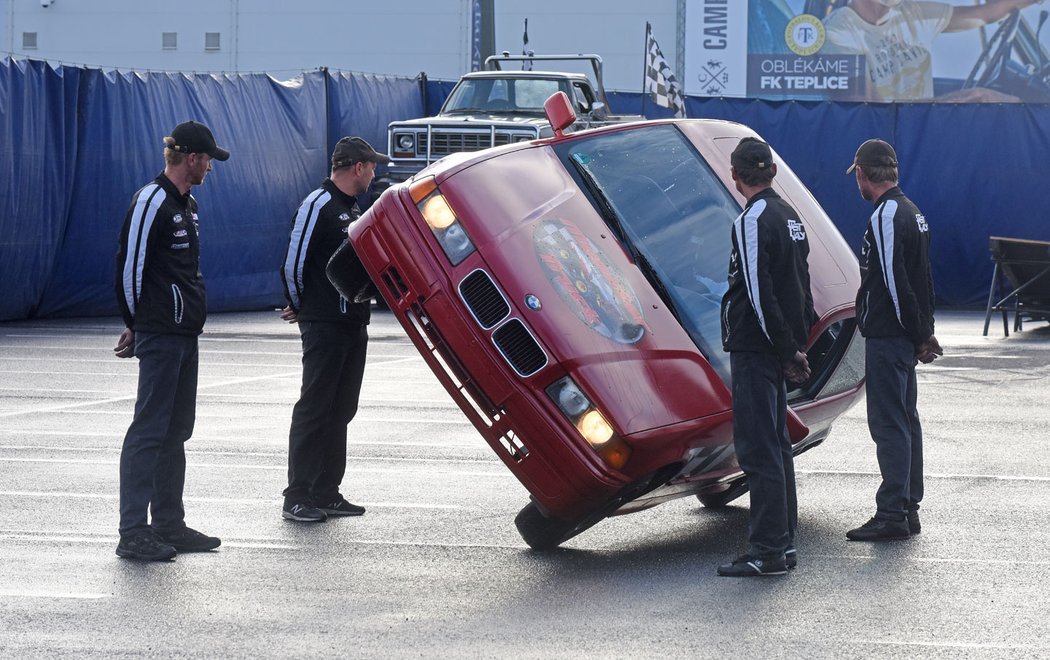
(404, 145)
(442, 220)
(589, 421)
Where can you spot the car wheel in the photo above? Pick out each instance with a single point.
(541, 532)
(722, 498)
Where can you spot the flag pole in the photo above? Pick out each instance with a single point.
(645, 64)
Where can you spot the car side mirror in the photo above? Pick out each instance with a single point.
(559, 113)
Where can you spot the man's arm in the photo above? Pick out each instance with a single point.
(969, 17)
(294, 265)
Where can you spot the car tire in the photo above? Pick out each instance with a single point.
(722, 498)
(540, 531)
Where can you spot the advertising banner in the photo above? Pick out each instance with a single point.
(867, 50)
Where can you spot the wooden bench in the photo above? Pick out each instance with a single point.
(1022, 267)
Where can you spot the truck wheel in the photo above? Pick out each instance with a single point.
(720, 499)
(541, 532)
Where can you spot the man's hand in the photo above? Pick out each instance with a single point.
(929, 350)
(125, 347)
(289, 314)
(796, 370)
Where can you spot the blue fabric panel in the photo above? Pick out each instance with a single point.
(363, 104)
(437, 92)
(975, 171)
(275, 132)
(38, 135)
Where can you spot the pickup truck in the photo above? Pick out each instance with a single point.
(495, 107)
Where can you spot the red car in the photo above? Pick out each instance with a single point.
(566, 293)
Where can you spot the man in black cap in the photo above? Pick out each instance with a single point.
(334, 335)
(160, 291)
(895, 315)
(766, 316)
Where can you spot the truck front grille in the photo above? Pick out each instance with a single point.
(451, 143)
(519, 348)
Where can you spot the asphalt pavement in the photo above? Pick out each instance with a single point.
(435, 568)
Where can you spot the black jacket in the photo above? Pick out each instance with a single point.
(769, 306)
(158, 280)
(319, 227)
(896, 286)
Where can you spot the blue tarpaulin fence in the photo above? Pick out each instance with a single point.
(76, 143)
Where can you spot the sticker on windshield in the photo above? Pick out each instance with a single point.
(588, 282)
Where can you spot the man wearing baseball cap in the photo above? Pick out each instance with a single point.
(334, 336)
(161, 295)
(895, 316)
(766, 316)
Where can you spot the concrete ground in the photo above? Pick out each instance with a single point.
(436, 567)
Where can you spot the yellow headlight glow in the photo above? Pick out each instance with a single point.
(594, 429)
(437, 212)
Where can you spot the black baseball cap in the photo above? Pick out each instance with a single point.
(193, 137)
(751, 154)
(350, 150)
(874, 153)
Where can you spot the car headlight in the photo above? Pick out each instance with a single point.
(589, 421)
(441, 219)
(404, 145)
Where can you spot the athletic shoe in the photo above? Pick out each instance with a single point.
(341, 507)
(303, 512)
(144, 546)
(791, 557)
(750, 565)
(914, 526)
(189, 540)
(880, 530)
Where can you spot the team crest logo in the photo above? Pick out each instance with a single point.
(804, 34)
(177, 218)
(588, 283)
(344, 217)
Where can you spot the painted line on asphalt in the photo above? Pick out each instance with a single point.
(223, 500)
(931, 475)
(283, 468)
(945, 645)
(7, 593)
(261, 544)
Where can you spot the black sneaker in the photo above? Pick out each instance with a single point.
(303, 512)
(341, 507)
(189, 540)
(750, 565)
(914, 526)
(880, 530)
(791, 557)
(144, 546)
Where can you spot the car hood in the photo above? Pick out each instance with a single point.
(469, 120)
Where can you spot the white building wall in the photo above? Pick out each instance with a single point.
(283, 37)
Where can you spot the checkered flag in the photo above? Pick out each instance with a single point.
(660, 82)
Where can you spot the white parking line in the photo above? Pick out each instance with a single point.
(218, 500)
(9, 593)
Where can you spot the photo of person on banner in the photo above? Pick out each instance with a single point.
(896, 37)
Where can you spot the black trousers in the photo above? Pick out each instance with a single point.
(333, 367)
(153, 458)
(763, 449)
(893, 421)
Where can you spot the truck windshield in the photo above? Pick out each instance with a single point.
(673, 211)
(501, 95)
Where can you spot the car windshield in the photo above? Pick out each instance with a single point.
(501, 95)
(673, 211)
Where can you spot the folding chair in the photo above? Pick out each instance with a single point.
(1022, 267)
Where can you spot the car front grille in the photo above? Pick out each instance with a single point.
(519, 348)
(484, 300)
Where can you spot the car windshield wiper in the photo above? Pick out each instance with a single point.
(612, 219)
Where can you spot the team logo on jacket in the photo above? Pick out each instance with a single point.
(921, 221)
(344, 217)
(796, 230)
(588, 282)
(177, 218)
(180, 233)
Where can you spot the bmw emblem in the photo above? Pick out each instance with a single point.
(532, 302)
